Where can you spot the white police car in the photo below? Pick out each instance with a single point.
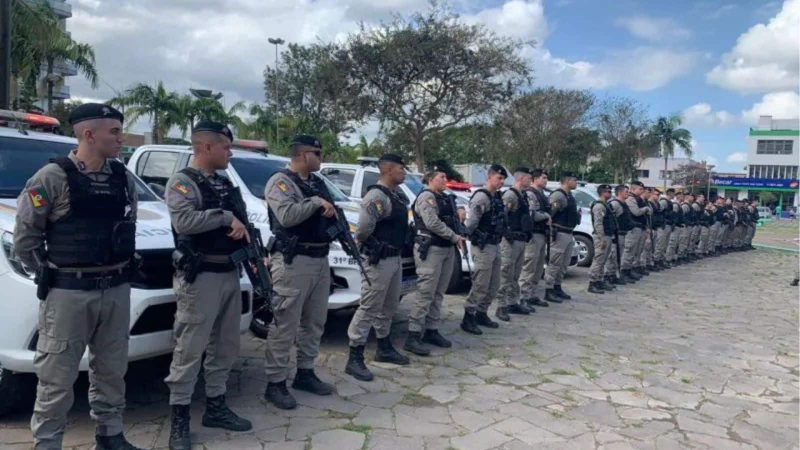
(22, 153)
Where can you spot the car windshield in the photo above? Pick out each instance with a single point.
(255, 172)
(21, 158)
(414, 182)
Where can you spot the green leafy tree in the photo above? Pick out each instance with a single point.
(154, 102)
(669, 136)
(625, 135)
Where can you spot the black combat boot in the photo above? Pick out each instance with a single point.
(613, 280)
(502, 314)
(414, 344)
(469, 323)
(279, 395)
(560, 292)
(482, 319)
(218, 415)
(606, 285)
(594, 288)
(434, 338)
(629, 273)
(307, 380)
(536, 301)
(116, 442)
(179, 428)
(355, 364)
(795, 282)
(520, 309)
(551, 296)
(386, 353)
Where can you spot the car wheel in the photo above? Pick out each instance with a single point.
(457, 278)
(262, 317)
(15, 388)
(585, 250)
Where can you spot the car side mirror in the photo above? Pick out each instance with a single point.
(158, 189)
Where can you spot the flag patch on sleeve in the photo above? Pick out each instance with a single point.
(182, 187)
(38, 197)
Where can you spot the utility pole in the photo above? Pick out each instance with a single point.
(5, 54)
(276, 42)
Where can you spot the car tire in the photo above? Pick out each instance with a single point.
(259, 325)
(15, 389)
(585, 250)
(457, 278)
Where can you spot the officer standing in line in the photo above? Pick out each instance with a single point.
(754, 217)
(634, 240)
(603, 229)
(688, 221)
(731, 214)
(300, 212)
(624, 222)
(647, 260)
(535, 249)
(677, 228)
(702, 225)
(382, 233)
(718, 230)
(82, 209)
(694, 237)
(512, 247)
(664, 233)
(564, 210)
(206, 281)
(486, 223)
(438, 226)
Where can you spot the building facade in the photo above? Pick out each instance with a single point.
(61, 69)
(650, 171)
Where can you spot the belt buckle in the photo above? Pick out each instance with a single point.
(103, 283)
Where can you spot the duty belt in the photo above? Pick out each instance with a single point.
(517, 236)
(90, 281)
(312, 251)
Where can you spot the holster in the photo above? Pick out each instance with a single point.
(287, 246)
(423, 246)
(479, 238)
(185, 259)
(43, 279)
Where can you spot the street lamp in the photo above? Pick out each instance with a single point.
(276, 42)
(708, 182)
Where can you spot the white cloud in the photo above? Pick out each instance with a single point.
(781, 105)
(738, 157)
(515, 18)
(765, 57)
(701, 115)
(654, 29)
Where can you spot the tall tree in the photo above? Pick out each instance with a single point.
(536, 126)
(154, 102)
(430, 72)
(625, 134)
(668, 135)
(693, 176)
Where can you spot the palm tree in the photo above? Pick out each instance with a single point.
(155, 102)
(668, 136)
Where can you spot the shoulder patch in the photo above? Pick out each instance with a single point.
(430, 201)
(282, 186)
(378, 205)
(183, 187)
(38, 197)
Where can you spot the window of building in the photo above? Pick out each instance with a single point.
(644, 174)
(774, 147)
(662, 176)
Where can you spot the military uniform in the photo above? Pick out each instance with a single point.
(565, 218)
(696, 243)
(86, 219)
(486, 223)
(512, 253)
(535, 248)
(624, 224)
(301, 280)
(664, 233)
(688, 223)
(603, 231)
(635, 239)
(382, 231)
(751, 231)
(435, 255)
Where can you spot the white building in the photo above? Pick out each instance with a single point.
(650, 171)
(61, 69)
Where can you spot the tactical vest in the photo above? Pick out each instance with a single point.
(313, 229)
(392, 230)
(609, 224)
(719, 215)
(669, 213)
(96, 231)
(754, 217)
(708, 218)
(520, 222)
(493, 222)
(447, 214)
(657, 218)
(216, 241)
(568, 217)
(688, 217)
(544, 207)
(625, 221)
(697, 215)
(640, 221)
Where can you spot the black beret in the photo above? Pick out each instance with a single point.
(603, 188)
(306, 139)
(90, 111)
(670, 191)
(391, 157)
(523, 170)
(637, 183)
(214, 127)
(497, 168)
(568, 175)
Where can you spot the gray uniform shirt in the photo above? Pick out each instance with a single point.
(479, 204)
(598, 213)
(50, 183)
(617, 207)
(533, 202)
(634, 207)
(662, 202)
(696, 207)
(287, 202)
(428, 211)
(375, 206)
(558, 201)
(183, 199)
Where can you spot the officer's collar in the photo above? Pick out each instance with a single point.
(73, 156)
(193, 165)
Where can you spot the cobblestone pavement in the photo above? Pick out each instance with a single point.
(702, 356)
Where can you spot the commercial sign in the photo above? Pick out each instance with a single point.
(787, 183)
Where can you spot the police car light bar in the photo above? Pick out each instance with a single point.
(251, 144)
(28, 118)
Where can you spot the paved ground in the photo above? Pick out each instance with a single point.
(702, 356)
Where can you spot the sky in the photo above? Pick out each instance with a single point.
(718, 63)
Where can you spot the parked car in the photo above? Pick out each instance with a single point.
(153, 306)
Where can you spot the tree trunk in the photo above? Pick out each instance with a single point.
(419, 151)
(666, 158)
(49, 86)
(156, 139)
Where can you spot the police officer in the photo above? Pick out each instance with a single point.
(438, 232)
(702, 226)
(677, 227)
(206, 282)
(634, 240)
(382, 232)
(654, 222)
(697, 218)
(512, 247)
(486, 224)
(624, 224)
(535, 248)
(82, 209)
(664, 233)
(754, 217)
(603, 231)
(564, 210)
(718, 229)
(300, 211)
(688, 223)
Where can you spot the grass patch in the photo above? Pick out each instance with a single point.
(417, 399)
(491, 380)
(531, 342)
(561, 372)
(631, 389)
(590, 373)
(364, 429)
(686, 380)
(340, 415)
(650, 361)
(568, 397)
(545, 380)
(639, 375)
